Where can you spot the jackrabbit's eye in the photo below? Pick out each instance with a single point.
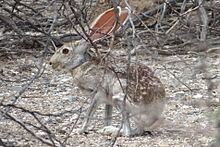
(65, 51)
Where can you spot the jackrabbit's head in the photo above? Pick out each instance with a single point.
(69, 56)
(73, 54)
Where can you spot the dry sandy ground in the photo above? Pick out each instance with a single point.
(188, 119)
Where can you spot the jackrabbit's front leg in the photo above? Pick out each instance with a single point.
(97, 100)
(108, 115)
(89, 114)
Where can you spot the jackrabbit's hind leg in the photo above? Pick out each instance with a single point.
(138, 131)
(143, 128)
(108, 115)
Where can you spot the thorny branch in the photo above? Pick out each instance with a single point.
(25, 127)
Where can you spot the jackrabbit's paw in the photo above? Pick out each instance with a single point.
(109, 130)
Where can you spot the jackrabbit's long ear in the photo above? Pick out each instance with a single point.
(106, 22)
(103, 24)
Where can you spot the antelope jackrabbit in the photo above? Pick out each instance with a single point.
(145, 94)
(133, 89)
